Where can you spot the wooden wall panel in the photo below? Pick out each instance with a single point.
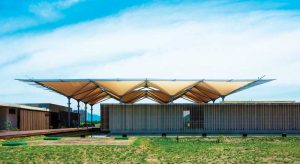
(33, 120)
(146, 118)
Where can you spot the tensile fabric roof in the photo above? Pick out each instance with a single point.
(128, 91)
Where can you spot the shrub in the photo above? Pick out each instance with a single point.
(14, 143)
(52, 138)
(8, 125)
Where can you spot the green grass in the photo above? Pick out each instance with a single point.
(121, 138)
(165, 150)
(24, 138)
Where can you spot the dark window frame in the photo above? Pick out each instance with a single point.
(12, 111)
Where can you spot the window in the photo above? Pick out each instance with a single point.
(12, 111)
(186, 118)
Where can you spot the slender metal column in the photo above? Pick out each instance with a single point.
(85, 115)
(100, 111)
(69, 112)
(223, 98)
(91, 114)
(78, 114)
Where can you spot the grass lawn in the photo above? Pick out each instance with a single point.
(166, 150)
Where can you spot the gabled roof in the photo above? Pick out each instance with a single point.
(92, 91)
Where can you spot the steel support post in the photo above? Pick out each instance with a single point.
(78, 114)
(85, 115)
(100, 115)
(223, 98)
(69, 112)
(91, 114)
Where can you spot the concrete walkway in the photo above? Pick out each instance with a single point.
(16, 134)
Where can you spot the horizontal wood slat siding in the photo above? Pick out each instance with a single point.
(33, 120)
(147, 118)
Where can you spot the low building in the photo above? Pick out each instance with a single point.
(58, 115)
(224, 118)
(23, 117)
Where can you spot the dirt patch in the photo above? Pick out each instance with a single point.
(276, 160)
(82, 141)
(152, 160)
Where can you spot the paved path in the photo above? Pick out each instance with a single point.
(16, 134)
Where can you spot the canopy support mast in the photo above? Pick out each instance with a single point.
(69, 112)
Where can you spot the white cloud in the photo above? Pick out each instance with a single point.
(44, 12)
(182, 41)
(51, 10)
(62, 4)
(12, 24)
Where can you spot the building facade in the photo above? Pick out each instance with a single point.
(58, 115)
(22, 117)
(231, 118)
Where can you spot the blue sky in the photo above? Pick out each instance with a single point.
(39, 15)
(150, 39)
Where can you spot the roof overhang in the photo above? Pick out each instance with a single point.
(20, 106)
(92, 91)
